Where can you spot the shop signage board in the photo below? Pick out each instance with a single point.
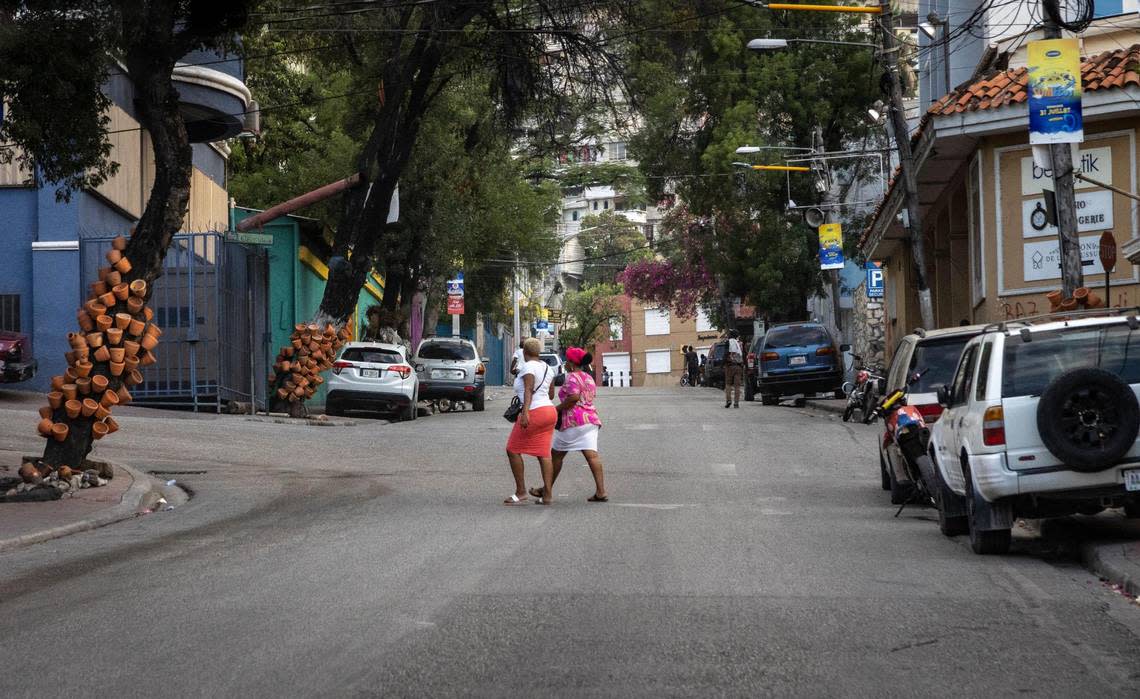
(1094, 213)
(1042, 258)
(1055, 91)
(454, 305)
(1094, 162)
(830, 246)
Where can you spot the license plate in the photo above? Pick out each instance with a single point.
(370, 373)
(797, 360)
(1132, 479)
(447, 373)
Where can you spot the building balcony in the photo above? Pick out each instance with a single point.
(213, 95)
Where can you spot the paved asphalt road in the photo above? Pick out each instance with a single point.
(744, 552)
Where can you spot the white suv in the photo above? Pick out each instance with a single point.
(1041, 420)
(373, 376)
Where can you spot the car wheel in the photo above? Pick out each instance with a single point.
(479, 404)
(884, 476)
(1132, 510)
(749, 390)
(409, 412)
(985, 542)
(1088, 418)
(767, 399)
(333, 410)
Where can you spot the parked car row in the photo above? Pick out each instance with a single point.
(379, 377)
(1031, 418)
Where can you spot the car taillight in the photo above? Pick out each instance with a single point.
(825, 350)
(930, 411)
(770, 357)
(993, 426)
(480, 370)
(751, 359)
(341, 364)
(402, 370)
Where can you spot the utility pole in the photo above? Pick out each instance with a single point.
(515, 302)
(827, 199)
(897, 111)
(1061, 155)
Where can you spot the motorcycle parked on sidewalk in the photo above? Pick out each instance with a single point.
(861, 394)
(906, 446)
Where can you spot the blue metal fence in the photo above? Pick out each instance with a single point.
(211, 305)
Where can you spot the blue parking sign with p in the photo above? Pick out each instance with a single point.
(875, 279)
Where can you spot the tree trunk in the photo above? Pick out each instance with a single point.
(156, 101)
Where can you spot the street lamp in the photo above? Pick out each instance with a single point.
(929, 28)
(749, 150)
(778, 44)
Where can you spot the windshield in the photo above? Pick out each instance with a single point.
(1033, 365)
(551, 359)
(796, 336)
(372, 354)
(937, 361)
(446, 350)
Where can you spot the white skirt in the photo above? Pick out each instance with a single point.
(583, 438)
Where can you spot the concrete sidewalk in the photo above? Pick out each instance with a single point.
(26, 523)
(1108, 544)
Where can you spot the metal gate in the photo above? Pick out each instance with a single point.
(211, 303)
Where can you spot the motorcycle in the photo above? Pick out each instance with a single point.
(907, 432)
(861, 393)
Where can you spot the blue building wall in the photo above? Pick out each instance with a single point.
(492, 347)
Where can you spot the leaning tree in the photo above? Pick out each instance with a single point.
(55, 59)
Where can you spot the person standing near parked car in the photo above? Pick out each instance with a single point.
(517, 360)
(579, 423)
(733, 370)
(693, 365)
(534, 428)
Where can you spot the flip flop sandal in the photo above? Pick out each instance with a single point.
(514, 500)
(544, 502)
(597, 498)
(536, 492)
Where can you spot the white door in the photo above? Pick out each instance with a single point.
(617, 365)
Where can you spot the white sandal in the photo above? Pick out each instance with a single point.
(515, 500)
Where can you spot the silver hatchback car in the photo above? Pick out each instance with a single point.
(449, 367)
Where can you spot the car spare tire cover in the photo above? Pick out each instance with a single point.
(1088, 418)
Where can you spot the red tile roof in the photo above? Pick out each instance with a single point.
(1107, 70)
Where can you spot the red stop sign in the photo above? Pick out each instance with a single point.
(1108, 251)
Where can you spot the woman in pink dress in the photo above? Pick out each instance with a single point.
(579, 425)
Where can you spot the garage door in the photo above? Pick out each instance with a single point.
(617, 364)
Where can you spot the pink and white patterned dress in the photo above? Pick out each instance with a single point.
(581, 423)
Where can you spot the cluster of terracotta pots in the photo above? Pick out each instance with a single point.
(1083, 297)
(297, 371)
(116, 339)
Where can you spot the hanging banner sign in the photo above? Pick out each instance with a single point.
(876, 280)
(830, 246)
(454, 305)
(1055, 92)
(1094, 213)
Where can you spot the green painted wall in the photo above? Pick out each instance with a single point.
(295, 290)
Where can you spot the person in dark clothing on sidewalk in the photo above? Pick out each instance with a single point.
(733, 370)
(692, 365)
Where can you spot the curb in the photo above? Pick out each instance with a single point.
(126, 509)
(1110, 562)
(825, 407)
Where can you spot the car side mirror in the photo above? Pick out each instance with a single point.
(845, 348)
(944, 396)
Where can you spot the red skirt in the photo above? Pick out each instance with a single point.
(534, 439)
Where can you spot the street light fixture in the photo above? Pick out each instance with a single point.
(778, 44)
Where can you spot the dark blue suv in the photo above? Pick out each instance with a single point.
(798, 358)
